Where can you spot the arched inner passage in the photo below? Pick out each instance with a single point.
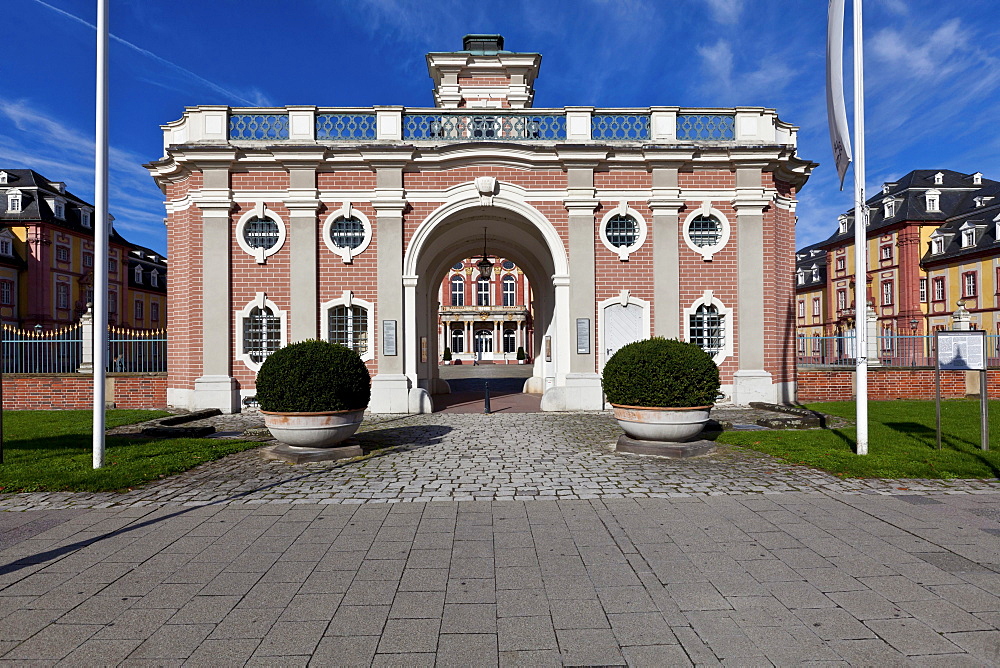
(459, 236)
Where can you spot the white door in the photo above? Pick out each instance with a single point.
(484, 344)
(622, 325)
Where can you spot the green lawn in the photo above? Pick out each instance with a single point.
(52, 451)
(902, 441)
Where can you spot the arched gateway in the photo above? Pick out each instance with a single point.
(302, 222)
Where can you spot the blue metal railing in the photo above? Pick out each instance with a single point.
(705, 127)
(619, 126)
(136, 350)
(258, 126)
(53, 351)
(484, 127)
(346, 126)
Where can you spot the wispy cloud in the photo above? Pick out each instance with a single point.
(41, 142)
(726, 11)
(186, 73)
(725, 83)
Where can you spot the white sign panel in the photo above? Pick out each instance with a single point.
(963, 351)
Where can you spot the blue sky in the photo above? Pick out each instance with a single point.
(932, 75)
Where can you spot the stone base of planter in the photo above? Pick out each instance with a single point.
(299, 455)
(664, 449)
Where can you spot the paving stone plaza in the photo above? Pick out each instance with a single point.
(505, 539)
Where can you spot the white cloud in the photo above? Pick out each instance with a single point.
(726, 11)
(726, 84)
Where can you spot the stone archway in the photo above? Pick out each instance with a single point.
(514, 230)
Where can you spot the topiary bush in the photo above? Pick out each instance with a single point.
(311, 377)
(661, 373)
(520, 353)
(446, 355)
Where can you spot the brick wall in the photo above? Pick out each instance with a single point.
(76, 391)
(883, 384)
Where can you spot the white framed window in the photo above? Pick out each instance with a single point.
(62, 295)
(800, 277)
(139, 308)
(457, 290)
(14, 203)
(6, 293)
(350, 322)
(886, 293)
(939, 179)
(6, 244)
(937, 245)
(260, 232)
(3, 178)
(622, 230)
(841, 300)
(939, 290)
(509, 340)
(458, 340)
(932, 199)
(483, 339)
(59, 209)
(62, 253)
(889, 208)
(708, 326)
(887, 339)
(483, 292)
(842, 224)
(154, 278)
(802, 308)
(112, 301)
(816, 307)
(706, 231)
(815, 273)
(969, 284)
(802, 344)
(923, 289)
(112, 266)
(154, 312)
(85, 218)
(88, 260)
(841, 264)
(968, 235)
(260, 330)
(347, 232)
(137, 274)
(509, 290)
(885, 252)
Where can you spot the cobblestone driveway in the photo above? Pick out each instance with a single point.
(483, 457)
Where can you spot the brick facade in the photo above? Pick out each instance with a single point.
(76, 391)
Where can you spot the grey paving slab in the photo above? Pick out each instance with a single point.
(733, 559)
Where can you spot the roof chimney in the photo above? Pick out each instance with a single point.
(483, 75)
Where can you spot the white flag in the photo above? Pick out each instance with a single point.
(835, 109)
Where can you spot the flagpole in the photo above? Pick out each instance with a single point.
(860, 237)
(101, 233)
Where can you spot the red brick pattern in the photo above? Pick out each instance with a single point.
(76, 391)
(446, 178)
(883, 384)
(344, 180)
(184, 294)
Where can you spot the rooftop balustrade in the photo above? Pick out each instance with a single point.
(386, 125)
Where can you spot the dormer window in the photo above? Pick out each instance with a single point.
(85, 219)
(933, 200)
(939, 179)
(937, 245)
(6, 244)
(3, 178)
(968, 238)
(885, 188)
(889, 206)
(977, 179)
(815, 273)
(842, 223)
(138, 275)
(996, 228)
(801, 277)
(59, 209)
(154, 278)
(14, 201)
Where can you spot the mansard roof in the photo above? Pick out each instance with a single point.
(807, 259)
(957, 193)
(983, 218)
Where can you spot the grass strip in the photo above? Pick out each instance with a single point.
(902, 441)
(52, 451)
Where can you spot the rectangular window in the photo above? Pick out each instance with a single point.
(885, 252)
(841, 300)
(841, 264)
(939, 289)
(154, 312)
(6, 247)
(802, 344)
(112, 302)
(60, 210)
(886, 293)
(88, 260)
(509, 288)
(482, 293)
(6, 293)
(348, 326)
(923, 289)
(112, 266)
(969, 287)
(802, 308)
(14, 203)
(138, 311)
(457, 291)
(62, 254)
(816, 309)
(62, 295)
(85, 218)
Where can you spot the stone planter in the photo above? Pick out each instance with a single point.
(666, 432)
(313, 430)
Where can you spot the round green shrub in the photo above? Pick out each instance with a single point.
(312, 377)
(661, 373)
